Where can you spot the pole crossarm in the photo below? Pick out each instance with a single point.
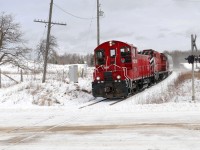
(55, 23)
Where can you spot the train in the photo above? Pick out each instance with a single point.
(121, 70)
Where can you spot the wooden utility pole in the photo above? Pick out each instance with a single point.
(98, 26)
(100, 13)
(48, 39)
(1, 38)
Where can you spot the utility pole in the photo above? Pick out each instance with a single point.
(99, 14)
(98, 26)
(48, 38)
(1, 38)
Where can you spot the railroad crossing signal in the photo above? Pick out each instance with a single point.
(192, 58)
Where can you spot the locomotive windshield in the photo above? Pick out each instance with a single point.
(112, 53)
(100, 59)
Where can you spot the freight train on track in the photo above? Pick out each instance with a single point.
(121, 70)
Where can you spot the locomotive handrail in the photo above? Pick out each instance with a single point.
(106, 62)
(96, 69)
(127, 78)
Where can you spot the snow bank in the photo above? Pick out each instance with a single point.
(189, 66)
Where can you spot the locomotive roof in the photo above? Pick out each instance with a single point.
(114, 41)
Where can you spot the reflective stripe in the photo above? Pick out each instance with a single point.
(152, 61)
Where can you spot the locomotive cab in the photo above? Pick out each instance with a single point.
(113, 59)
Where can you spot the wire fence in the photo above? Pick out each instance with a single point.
(10, 76)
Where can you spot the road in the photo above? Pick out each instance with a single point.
(61, 129)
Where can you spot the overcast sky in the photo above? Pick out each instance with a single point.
(157, 24)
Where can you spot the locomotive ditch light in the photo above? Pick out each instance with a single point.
(98, 78)
(118, 77)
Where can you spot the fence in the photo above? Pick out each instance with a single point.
(61, 73)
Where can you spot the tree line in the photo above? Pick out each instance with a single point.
(55, 58)
(178, 56)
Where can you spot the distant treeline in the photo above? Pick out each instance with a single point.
(178, 57)
(72, 59)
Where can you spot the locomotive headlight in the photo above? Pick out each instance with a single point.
(118, 77)
(110, 43)
(98, 78)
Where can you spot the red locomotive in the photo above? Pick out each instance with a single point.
(120, 70)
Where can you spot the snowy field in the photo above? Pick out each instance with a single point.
(52, 116)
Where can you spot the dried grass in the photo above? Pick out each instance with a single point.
(172, 90)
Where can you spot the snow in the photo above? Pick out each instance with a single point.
(37, 115)
(189, 66)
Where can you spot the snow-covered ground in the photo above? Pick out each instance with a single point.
(51, 115)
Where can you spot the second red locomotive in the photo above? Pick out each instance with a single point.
(120, 70)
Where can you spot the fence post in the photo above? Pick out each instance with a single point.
(21, 76)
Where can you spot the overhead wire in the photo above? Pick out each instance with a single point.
(73, 14)
(89, 31)
(83, 18)
(44, 32)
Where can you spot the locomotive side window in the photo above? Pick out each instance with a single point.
(125, 54)
(100, 57)
(134, 52)
(112, 53)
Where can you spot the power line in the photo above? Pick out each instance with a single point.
(89, 30)
(73, 14)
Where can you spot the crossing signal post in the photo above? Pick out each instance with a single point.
(191, 59)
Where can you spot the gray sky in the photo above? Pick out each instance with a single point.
(157, 24)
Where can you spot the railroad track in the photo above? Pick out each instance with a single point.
(93, 103)
(118, 101)
(113, 103)
(103, 100)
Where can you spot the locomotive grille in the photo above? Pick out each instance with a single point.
(108, 76)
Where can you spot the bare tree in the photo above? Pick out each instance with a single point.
(11, 42)
(41, 47)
